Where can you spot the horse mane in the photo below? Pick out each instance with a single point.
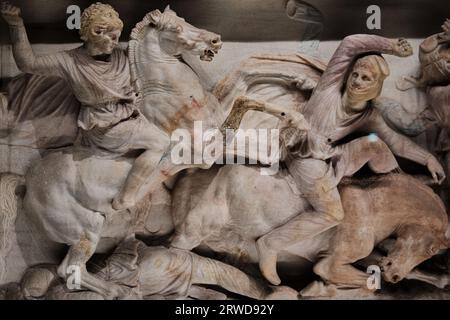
(136, 36)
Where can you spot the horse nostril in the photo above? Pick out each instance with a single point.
(395, 278)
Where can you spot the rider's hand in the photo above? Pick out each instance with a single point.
(402, 48)
(445, 35)
(436, 170)
(10, 13)
(446, 26)
(303, 82)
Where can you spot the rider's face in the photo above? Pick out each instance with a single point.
(103, 39)
(361, 79)
(363, 84)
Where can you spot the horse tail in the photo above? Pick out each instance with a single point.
(9, 200)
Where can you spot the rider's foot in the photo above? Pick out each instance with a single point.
(268, 262)
(121, 203)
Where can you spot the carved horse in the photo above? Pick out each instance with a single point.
(69, 191)
(228, 209)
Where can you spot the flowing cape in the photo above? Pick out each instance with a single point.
(39, 112)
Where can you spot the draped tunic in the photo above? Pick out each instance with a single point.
(102, 87)
(328, 118)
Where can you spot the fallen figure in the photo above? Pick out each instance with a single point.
(155, 272)
(376, 208)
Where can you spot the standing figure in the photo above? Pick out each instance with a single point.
(317, 160)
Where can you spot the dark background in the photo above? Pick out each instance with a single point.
(245, 20)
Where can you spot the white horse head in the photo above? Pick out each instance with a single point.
(176, 36)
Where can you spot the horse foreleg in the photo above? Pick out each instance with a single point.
(342, 274)
(74, 265)
(438, 280)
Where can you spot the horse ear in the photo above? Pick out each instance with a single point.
(169, 10)
(155, 16)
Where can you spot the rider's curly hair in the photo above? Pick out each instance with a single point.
(99, 13)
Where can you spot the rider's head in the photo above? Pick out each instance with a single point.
(100, 28)
(365, 80)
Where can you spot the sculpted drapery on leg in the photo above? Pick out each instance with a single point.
(317, 161)
(157, 273)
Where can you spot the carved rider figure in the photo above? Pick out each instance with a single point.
(98, 74)
(434, 57)
(317, 159)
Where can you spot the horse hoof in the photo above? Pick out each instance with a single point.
(268, 262)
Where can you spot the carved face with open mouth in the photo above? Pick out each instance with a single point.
(179, 36)
(208, 54)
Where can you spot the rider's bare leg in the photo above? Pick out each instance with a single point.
(145, 177)
(319, 186)
(316, 181)
(142, 168)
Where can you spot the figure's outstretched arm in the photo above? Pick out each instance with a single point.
(432, 42)
(23, 53)
(355, 45)
(404, 147)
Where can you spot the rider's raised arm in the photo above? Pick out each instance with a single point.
(349, 48)
(429, 46)
(399, 144)
(24, 56)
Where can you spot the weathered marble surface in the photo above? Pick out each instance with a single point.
(31, 247)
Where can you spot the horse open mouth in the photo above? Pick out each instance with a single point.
(207, 55)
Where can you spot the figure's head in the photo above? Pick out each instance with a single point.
(365, 80)
(177, 36)
(100, 29)
(414, 245)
